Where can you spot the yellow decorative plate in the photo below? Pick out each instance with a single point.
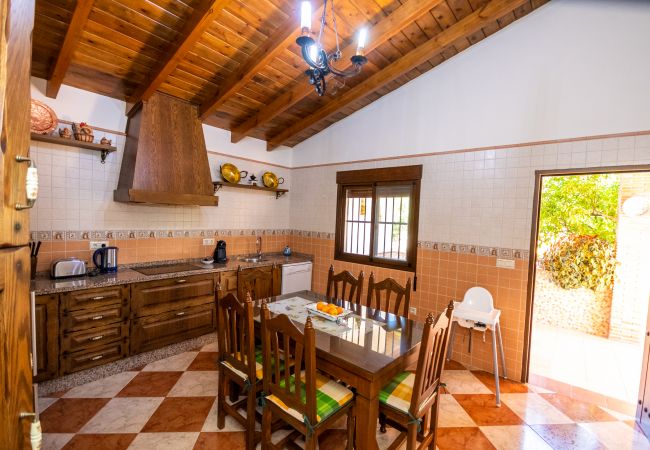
(231, 173)
(270, 180)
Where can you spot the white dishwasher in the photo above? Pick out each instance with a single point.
(296, 277)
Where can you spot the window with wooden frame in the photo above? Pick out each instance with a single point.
(377, 216)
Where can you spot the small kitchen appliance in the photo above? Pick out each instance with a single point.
(220, 252)
(105, 259)
(68, 267)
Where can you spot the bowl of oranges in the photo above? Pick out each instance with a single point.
(327, 310)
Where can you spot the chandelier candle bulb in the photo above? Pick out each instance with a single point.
(361, 42)
(305, 17)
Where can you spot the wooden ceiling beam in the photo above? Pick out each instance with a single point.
(204, 15)
(388, 27)
(72, 35)
(472, 23)
(284, 35)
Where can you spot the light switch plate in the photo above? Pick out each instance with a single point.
(413, 311)
(506, 263)
(208, 241)
(94, 245)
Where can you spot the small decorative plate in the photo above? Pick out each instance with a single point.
(43, 118)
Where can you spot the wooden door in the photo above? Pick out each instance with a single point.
(15, 346)
(643, 405)
(16, 394)
(15, 57)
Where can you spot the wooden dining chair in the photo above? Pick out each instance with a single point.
(379, 296)
(258, 282)
(411, 401)
(317, 403)
(346, 280)
(239, 363)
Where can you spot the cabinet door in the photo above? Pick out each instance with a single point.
(227, 283)
(156, 297)
(260, 282)
(47, 337)
(16, 22)
(15, 345)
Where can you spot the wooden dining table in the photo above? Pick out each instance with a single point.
(365, 350)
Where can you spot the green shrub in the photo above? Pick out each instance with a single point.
(581, 261)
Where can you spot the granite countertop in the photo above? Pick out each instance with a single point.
(43, 285)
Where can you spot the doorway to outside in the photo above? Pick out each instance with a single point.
(591, 285)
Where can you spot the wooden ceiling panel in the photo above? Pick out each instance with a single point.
(238, 60)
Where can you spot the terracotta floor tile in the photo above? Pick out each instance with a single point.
(104, 388)
(570, 436)
(204, 361)
(505, 386)
(233, 440)
(483, 410)
(454, 365)
(514, 437)
(210, 424)
(123, 415)
(150, 384)
(211, 347)
(451, 414)
(463, 382)
(55, 441)
(334, 439)
(69, 415)
(56, 394)
(173, 363)
(577, 410)
(100, 442)
(462, 438)
(196, 384)
(533, 409)
(180, 414)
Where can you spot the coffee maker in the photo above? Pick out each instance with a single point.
(220, 252)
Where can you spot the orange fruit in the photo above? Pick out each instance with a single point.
(321, 306)
(339, 310)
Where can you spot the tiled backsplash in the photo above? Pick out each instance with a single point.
(76, 193)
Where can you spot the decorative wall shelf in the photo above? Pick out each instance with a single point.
(278, 192)
(104, 149)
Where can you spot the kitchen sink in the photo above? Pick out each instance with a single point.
(253, 259)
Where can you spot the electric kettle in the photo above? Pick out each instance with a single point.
(107, 257)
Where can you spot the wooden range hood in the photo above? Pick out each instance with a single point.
(165, 159)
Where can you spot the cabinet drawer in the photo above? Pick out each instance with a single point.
(156, 297)
(74, 362)
(87, 339)
(90, 318)
(94, 298)
(227, 283)
(151, 332)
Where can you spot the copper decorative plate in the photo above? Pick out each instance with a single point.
(43, 120)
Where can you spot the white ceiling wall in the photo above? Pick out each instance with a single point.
(572, 68)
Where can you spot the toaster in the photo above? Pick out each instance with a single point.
(68, 267)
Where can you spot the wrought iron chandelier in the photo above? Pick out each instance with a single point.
(319, 61)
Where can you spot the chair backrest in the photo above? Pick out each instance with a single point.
(235, 334)
(478, 298)
(431, 359)
(399, 305)
(258, 282)
(282, 340)
(351, 287)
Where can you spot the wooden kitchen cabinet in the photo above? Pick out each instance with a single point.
(156, 297)
(261, 282)
(47, 337)
(227, 283)
(152, 332)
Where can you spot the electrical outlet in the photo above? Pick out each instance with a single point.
(208, 241)
(506, 263)
(413, 311)
(94, 245)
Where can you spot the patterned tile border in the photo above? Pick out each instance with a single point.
(444, 247)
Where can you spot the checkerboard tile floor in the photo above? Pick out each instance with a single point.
(171, 404)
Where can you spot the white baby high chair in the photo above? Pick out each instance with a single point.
(477, 312)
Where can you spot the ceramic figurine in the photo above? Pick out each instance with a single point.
(65, 133)
(286, 251)
(105, 141)
(253, 180)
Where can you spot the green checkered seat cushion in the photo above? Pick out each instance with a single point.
(397, 394)
(330, 397)
(259, 368)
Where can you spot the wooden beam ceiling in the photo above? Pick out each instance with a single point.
(399, 19)
(283, 37)
(472, 23)
(72, 35)
(203, 16)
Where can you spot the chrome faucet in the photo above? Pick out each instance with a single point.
(258, 246)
